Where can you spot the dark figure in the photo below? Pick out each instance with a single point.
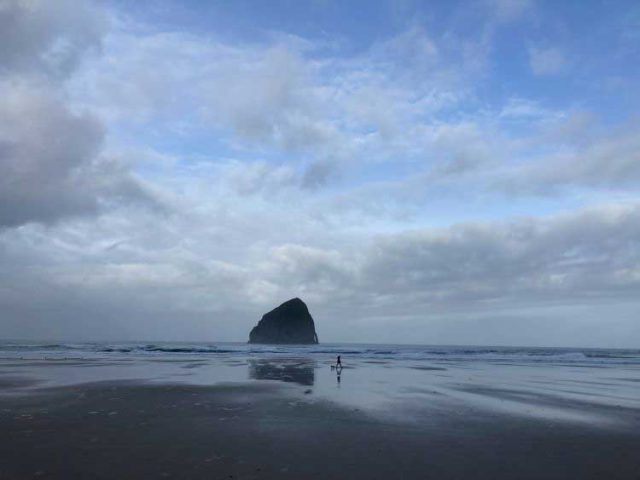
(338, 363)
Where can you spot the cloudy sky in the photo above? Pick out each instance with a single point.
(443, 172)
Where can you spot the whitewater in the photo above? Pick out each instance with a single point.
(323, 352)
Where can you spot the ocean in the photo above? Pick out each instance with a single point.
(324, 352)
(432, 408)
(373, 376)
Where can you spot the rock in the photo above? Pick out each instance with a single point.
(291, 322)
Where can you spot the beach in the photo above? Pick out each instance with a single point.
(322, 239)
(253, 413)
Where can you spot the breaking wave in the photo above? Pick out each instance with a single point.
(521, 355)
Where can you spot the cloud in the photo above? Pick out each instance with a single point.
(274, 97)
(46, 156)
(522, 108)
(408, 100)
(257, 100)
(43, 37)
(50, 162)
(318, 174)
(338, 172)
(583, 155)
(529, 268)
(411, 51)
(269, 101)
(547, 61)
(587, 256)
(246, 178)
(510, 10)
(314, 272)
(255, 96)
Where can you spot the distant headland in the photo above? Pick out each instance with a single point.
(290, 323)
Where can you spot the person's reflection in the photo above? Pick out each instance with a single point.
(284, 370)
(338, 373)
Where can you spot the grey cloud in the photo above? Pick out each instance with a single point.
(276, 97)
(119, 301)
(40, 36)
(246, 178)
(313, 271)
(50, 163)
(610, 161)
(84, 280)
(43, 151)
(271, 180)
(560, 153)
(589, 159)
(461, 149)
(244, 233)
(570, 259)
(256, 96)
(318, 174)
(269, 100)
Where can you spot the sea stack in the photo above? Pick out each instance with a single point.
(289, 323)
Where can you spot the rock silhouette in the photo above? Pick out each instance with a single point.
(289, 323)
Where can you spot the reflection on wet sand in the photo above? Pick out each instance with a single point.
(296, 371)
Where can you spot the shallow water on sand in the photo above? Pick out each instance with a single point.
(598, 387)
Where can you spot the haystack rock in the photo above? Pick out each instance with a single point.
(291, 322)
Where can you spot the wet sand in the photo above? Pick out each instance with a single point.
(263, 429)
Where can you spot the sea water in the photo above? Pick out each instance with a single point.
(593, 385)
(325, 352)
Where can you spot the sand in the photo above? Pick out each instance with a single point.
(261, 429)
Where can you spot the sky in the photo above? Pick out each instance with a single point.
(435, 172)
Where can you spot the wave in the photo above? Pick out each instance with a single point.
(329, 351)
(166, 349)
(186, 350)
(611, 355)
(338, 352)
(35, 346)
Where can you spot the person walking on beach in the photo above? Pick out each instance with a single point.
(338, 363)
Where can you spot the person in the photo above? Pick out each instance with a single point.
(338, 363)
